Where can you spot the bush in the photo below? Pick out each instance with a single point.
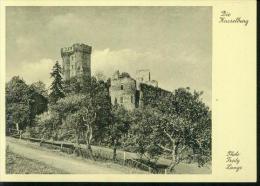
(46, 124)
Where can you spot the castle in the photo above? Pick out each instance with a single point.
(76, 61)
(124, 90)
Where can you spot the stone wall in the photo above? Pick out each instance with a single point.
(66, 67)
(76, 61)
(151, 96)
(123, 91)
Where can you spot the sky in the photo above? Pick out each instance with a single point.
(175, 43)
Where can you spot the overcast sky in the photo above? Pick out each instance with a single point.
(173, 42)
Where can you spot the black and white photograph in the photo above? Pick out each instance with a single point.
(108, 90)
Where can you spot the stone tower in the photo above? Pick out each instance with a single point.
(76, 61)
(123, 90)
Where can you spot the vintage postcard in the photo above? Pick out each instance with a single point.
(158, 91)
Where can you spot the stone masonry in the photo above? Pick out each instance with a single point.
(124, 90)
(76, 61)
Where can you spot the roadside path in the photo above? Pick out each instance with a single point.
(70, 165)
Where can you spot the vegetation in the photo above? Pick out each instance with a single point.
(57, 84)
(102, 104)
(23, 103)
(175, 125)
(16, 164)
(79, 116)
(119, 127)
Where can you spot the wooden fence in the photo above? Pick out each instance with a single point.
(99, 154)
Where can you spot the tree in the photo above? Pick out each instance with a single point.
(189, 105)
(180, 137)
(38, 103)
(119, 127)
(140, 136)
(64, 107)
(101, 102)
(177, 125)
(17, 116)
(72, 86)
(46, 125)
(40, 88)
(56, 85)
(175, 136)
(154, 133)
(88, 116)
(16, 90)
(79, 114)
(23, 103)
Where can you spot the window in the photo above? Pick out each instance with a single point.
(115, 101)
(71, 66)
(132, 99)
(122, 87)
(121, 99)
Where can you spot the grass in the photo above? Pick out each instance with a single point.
(104, 157)
(16, 164)
(103, 163)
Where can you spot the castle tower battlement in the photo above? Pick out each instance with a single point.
(76, 61)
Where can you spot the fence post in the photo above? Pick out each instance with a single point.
(124, 157)
(149, 169)
(165, 171)
(61, 145)
(20, 132)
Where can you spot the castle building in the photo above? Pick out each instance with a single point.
(124, 90)
(76, 61)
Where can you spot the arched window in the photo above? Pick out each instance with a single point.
(122, 87)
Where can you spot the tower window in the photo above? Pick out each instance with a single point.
(115, 101)
(121, 99)
(122, 87)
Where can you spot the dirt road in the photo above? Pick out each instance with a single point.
(69, 165)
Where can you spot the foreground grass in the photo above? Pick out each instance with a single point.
(16, 164)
